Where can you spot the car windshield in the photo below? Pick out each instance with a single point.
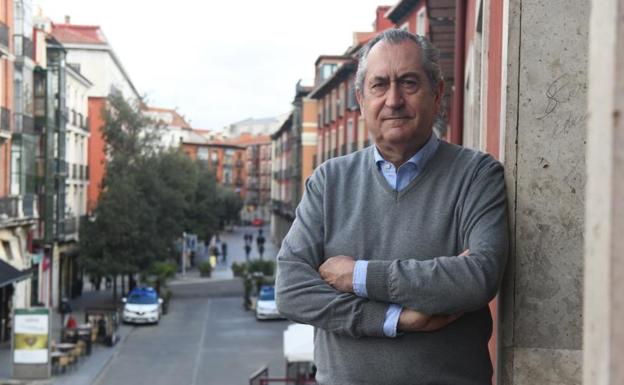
(142, 298)
(267, 294)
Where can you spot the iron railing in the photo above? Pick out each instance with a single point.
(5, 119)
(18, 207)
(4, 35)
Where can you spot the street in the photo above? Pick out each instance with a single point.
(207, 337)
(236, 244)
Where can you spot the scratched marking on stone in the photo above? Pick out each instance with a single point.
(561, 90)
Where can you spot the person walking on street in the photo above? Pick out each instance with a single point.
(224, 251)
(397, 249)
(260, 243)
(247, 251)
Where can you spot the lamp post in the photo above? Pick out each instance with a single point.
(183, 256)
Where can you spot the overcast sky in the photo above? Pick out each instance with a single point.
(219, 62)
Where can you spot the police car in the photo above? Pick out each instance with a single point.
(142, 306)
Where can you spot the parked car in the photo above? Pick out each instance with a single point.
(257, 222)
(142, 306)
(265, 306)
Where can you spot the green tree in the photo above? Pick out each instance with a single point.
(230, 204)
(148, 199)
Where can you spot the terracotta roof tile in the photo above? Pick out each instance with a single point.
(85, 34)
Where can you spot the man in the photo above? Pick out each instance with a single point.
(397, 249)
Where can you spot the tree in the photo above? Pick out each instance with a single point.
(230, 204)
(148, 199)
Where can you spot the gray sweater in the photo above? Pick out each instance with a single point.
(412, 239)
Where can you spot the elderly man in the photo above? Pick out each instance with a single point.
(398, 248)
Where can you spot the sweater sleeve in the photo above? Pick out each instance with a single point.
(301, 294)
(454, 284)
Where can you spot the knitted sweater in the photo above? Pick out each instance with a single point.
(412, 239)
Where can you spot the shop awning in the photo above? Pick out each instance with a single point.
(9, 274)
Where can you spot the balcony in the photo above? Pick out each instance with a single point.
(68, 227)
(4, 36)
(18, 209)
(23, 124)
(5, 123)
(22, 47)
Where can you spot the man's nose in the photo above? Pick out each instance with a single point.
(394, 96)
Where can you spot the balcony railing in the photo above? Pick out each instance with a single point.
(18, 207)
(4, 35)
(22, 46)
(23, 124)
(69, 226)
(5, 119)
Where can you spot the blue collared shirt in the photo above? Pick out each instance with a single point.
(398, 180)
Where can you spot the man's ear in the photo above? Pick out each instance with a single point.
(440, 93)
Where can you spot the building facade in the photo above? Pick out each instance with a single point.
(170, 127)
(225, 158)
(294, 151)
(89, 53)
(257, 164)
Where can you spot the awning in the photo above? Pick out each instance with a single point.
(9, 274)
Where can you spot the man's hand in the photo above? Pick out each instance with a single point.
(338, 272)
(414, 321)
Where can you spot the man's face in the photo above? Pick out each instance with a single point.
(396, 99)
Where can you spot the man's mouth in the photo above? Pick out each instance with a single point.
(395, 118)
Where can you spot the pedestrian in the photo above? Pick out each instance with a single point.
(71, 322)
(247, 251)
(260, 243)
(224, 251)
(397, 249)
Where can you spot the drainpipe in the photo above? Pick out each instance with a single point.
(457, 124)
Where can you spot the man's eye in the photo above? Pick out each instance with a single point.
(410, 85)
(378, 88)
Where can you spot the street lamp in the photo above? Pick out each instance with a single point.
(183, 256)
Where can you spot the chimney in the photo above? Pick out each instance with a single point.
(67, 19)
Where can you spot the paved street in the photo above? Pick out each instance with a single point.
(236, 244)
(207, 338)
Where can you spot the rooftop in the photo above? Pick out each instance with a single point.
(78, 34)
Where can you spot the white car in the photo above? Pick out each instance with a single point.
(265, 306)
(142, 306)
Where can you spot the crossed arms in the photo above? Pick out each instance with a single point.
(318, 291)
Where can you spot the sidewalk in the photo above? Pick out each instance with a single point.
(220, 273)
(89, 367)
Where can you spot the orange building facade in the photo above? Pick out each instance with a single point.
(226, 159)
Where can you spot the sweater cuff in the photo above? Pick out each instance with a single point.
(373, 318)
(377, 281)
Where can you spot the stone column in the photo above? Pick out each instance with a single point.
(603, 358)
(541, 315)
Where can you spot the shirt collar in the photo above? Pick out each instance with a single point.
(419, 159)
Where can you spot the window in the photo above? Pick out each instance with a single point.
(340, 141)
(420, 22)
(327, 70)
(350, 136)
(6, 245)
(16, 167)
(351, 100)
(202, 154)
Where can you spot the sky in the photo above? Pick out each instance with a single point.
(219, 62)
